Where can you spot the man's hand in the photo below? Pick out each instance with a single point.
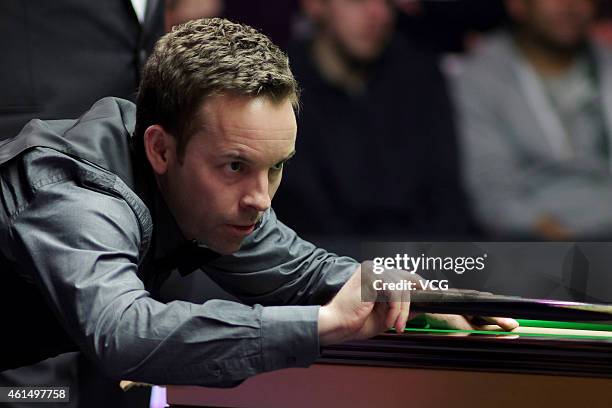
(445, 321)
(347, 317)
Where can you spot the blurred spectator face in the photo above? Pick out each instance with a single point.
(560, 24)
(361, 28)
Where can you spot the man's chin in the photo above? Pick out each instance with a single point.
(566, 43)
(367, 55)
(360, 56)
(226, 248)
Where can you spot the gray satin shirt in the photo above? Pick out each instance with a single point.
(74, 232)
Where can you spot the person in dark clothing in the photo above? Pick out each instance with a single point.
(58, 58)
(95, 212)
(377, 148)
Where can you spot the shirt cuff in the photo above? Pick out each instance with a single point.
(290, 336)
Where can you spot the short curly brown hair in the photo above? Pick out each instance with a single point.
(202, 58)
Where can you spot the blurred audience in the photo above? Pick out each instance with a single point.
(275, 18)
(376, 142)
(181, 11)
(602, 29)
(58, 58)
(535, 103)
(444, 26)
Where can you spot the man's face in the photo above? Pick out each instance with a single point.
(231, 169)
(361, 28)
(560, 24)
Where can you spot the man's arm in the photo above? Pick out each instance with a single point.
(276, 267)
(81, 249)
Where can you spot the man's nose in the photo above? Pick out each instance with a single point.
(258, 196)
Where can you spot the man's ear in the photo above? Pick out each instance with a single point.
(160, 148)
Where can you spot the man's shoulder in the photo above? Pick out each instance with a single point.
(494, 54)
(488, 71)
(92, 152)
(47, 183)
(39, 168)
(101, 136)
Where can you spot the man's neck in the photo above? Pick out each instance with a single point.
(547, 62)
(335, 67)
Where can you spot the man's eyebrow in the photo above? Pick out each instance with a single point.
(234, 156)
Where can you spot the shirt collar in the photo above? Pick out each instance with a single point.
(168, 234)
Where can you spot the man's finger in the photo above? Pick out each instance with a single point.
(446, 321)
(402, 318)
(393, 313)
(394, 297)
(400, 323)
(505, 323)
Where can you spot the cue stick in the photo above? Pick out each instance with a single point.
(470, 302)
(562, 332)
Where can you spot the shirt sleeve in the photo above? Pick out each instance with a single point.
(81, 248)
(276, 267)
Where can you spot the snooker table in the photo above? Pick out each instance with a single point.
(542, 363)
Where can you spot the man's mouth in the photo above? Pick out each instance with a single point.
(242, 229)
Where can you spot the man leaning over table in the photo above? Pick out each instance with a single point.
(93, 219)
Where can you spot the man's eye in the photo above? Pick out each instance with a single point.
(278, 166)
(235, 167)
